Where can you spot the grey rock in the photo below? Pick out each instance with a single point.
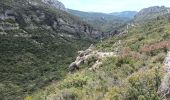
(155, 9)
(68, 28)
(55, 3)
(151, 12)
(73, 66)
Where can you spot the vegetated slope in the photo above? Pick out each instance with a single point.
(151, 12)
(102, 21)
(37, 43)
(125, 14)
(134, 73)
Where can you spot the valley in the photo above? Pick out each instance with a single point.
(135, 72)
(105, 22)
(50, 52)
(37, 45)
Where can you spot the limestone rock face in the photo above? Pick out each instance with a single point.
(155, 9)
(13, 19)
(151, 12)
(88, 55)
(55, 3)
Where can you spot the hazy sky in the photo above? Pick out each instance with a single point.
(109, 6)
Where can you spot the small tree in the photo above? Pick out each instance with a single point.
(157, 77)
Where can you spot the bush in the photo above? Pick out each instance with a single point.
(28, 98)
(141, 97)
(68, 96)
(156, 46)
(116, 93)
(64, 95)
(145, 84)
(10, 21)
(76, 80)
(123, 60)
(159, 58)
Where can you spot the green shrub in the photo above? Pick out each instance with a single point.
(141, 97)
(76, 80)
(10, 21)
(147, 82)
(116, 93)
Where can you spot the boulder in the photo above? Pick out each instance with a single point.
(73, 66)
(90, 55)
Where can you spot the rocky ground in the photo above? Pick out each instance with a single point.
(85, 56)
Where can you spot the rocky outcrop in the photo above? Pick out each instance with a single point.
(38, 18)
(164, 89)
(151, 12)
(77, 28)
(88, 55)
(155, 9)
(55, 3)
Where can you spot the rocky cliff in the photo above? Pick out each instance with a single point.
(34, 15)
(55, 3)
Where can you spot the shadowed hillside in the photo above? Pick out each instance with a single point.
(37, 43)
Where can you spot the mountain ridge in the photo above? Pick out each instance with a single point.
(102, 21)
(151, 12)
(126, 14)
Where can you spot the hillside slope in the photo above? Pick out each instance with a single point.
(125, 14)
(37, 43)
(133, 73)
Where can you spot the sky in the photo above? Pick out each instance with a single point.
(109, 6)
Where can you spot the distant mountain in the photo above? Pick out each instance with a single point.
(151, 12)
(102, 21)
(125, 14)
